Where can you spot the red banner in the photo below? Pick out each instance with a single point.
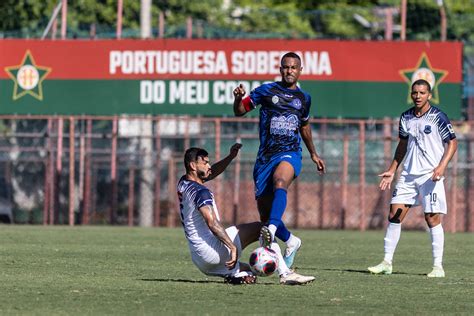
(232, 59)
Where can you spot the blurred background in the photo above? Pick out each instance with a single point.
(211, 19)
(83, 161)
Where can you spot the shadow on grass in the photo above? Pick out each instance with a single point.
(367, 272)
(183, 281)
(259, 281)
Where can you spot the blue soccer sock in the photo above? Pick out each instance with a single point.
(283, 233)
(278, 208)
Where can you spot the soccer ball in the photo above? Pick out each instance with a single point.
(263, 261)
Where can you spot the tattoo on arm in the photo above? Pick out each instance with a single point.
(215, 226)
(219, 231)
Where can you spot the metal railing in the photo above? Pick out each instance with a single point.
(123, 171)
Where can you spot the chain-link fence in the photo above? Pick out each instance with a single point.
(111, 170)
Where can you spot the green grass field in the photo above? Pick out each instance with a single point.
(136, 271)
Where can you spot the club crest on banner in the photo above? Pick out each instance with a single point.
(424, 70)
(28, 77)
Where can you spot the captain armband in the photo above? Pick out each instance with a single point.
(247, 103)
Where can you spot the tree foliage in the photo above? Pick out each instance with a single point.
(249, 18)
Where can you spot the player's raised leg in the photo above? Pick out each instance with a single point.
(292, 242)
(249, 233)
(282, 178)
(266, 238)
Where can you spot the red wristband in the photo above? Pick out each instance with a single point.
(247, 103)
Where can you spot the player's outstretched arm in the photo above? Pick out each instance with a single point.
(386, 181)
(239, 108)
(220, 166)
(307, 137)
(218, 230)
(387, 176)
(438, 172)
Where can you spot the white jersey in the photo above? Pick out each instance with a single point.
(426, 136)
(208, 253)
(193, 196)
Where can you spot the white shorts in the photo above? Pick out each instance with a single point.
(211, 257)
(411, 190)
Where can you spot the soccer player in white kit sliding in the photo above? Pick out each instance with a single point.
(215, 250)
(427, 142)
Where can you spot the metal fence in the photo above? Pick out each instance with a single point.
(123, 170)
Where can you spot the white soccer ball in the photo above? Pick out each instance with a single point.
(263, 261)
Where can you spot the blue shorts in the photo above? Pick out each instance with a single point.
(263, 173)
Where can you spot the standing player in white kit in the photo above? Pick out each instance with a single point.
(428, 143)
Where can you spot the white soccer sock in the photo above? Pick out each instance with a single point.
(282, 268)
(437, 245)
(392, 236)
(292, 240)
(272, 228)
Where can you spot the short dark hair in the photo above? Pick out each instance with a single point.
(421, 82)
(192, 154)
(290, 55)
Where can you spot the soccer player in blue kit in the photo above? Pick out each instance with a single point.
(427, 142)
(284, 121)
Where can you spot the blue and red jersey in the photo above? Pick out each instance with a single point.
(282, 113)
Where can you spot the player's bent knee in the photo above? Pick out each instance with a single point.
(432, 220)
(395, 218)
(280, 183)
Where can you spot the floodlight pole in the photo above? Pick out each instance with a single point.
(189, 27)
(55, 29)
(403, 16)
(145, 19)
(442, 13)
(64, 20)
(161, 25)
(72, 160)
(145, 216)
(52, 20)
(119, 19)
(388, 24)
